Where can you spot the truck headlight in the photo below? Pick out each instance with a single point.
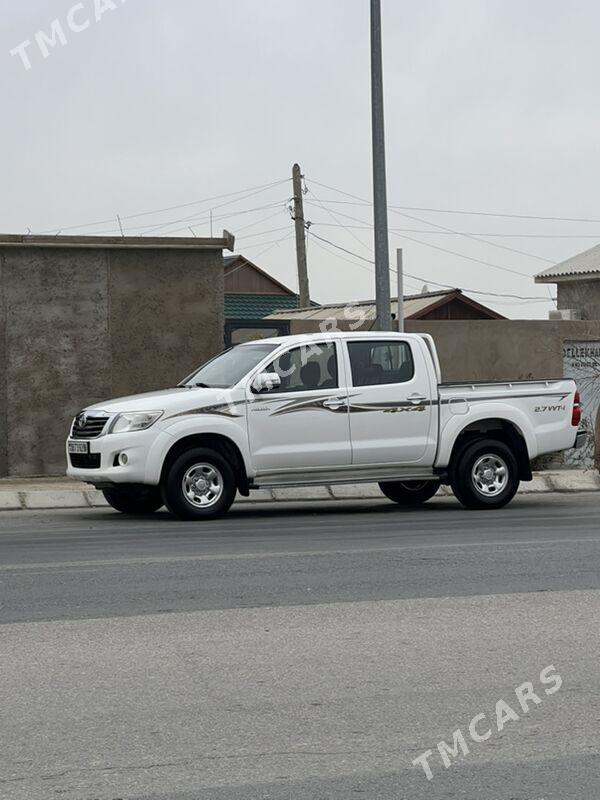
(134, 421)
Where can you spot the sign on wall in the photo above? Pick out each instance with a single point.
(581, 362)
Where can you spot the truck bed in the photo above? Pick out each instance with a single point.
(539, 410)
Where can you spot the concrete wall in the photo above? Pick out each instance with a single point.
(495, 349)
(78, 326)
(504, 349)
(166, 316)
(580, 294)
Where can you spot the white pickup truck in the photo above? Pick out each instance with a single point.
(321, 409)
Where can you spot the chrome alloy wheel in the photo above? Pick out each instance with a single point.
(202, 485)
(490, 475)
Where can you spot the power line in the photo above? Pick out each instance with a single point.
(498, 297)
(266, 250)
(260, 221)
(253, 189)
(428, 280)
(196, 219)
(188, 227)
(468, 236)
(445, 250)
(366, 226)
(270, 241)
(274, 244)
(326, 249)
(457, 211)
(468, 258)
(206, 218)
(214, 208)
(336, 218)
(262, 233)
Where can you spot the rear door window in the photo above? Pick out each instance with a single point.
(376, 363)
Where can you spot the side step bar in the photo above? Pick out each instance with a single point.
(320, 476)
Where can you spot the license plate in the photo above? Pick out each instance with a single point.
(79, 447)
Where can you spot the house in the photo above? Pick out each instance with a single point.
(447, 304)
(250, 296)
(578, 285)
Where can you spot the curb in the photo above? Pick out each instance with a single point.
(66, 496)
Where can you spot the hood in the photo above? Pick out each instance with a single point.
(167, 400)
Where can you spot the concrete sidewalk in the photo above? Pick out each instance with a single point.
(35, 494)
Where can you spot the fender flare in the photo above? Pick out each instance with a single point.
(457, 424)
(196, 426)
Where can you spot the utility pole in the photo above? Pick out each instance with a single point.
(300, 238)
(400, 315)
(382, 257)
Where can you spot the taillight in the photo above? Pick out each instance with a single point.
(576, 416)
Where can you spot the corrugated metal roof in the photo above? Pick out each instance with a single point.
(413, 304)
(585, 263)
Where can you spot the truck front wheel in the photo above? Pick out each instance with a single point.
(486, 475)
(200, 484)
(409, 493)
(135, 500)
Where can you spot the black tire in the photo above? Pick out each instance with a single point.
(135, 500)
(471, 484)
(409, 493)
(199, 465)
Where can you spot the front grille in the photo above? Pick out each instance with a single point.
(85, 460)
(88, 426)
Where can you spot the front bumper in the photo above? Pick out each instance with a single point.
(145, 452)
(580, 439)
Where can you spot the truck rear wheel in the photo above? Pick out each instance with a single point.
(486, 475)
(135, 500)
(409, 493)
(200, 484)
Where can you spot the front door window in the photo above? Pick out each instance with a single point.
(307, 368)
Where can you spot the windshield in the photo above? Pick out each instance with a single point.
(229, 367)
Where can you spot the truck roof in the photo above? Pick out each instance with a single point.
(301, 338)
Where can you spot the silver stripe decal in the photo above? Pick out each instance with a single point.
(316, 403)
(218, 410)
(467, 399)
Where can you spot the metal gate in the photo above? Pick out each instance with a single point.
(581, 361)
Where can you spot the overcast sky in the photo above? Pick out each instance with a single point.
(491, 105)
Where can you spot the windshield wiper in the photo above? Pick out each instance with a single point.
(203, 385)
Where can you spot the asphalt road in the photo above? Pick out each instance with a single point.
(302, 651)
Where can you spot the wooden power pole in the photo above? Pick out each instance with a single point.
(300, 238)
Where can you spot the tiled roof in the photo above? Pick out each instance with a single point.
(585, 263)
(256, 306)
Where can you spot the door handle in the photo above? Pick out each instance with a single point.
(417, 398)
(334, 403)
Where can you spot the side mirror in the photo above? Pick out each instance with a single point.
(266, 382)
